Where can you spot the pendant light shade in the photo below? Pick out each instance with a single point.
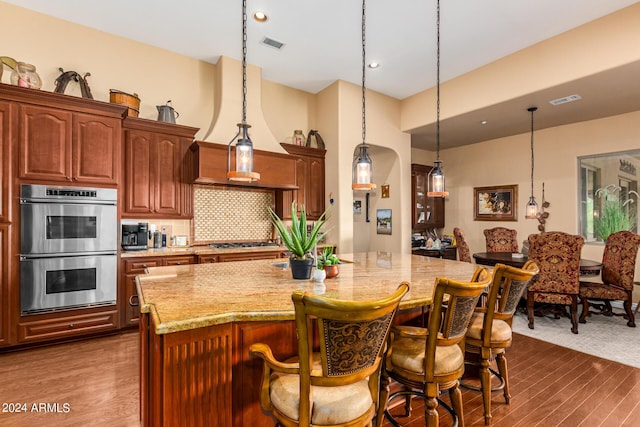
(244, 146)
(362, 169)
(532, 211)
(435, 183)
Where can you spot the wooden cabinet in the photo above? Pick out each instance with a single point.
(59, 145)
(158, 171)
(427, 212)
(310, 180)
(130, 268)
(6, 115)
(449, 252)
(207, 258)
(4, 284)
(249, 256)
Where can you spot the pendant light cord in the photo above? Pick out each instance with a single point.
(244, 62)
(438, 83)
(364, 120)
(532, 109)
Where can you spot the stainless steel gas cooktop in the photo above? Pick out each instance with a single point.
(236, 245)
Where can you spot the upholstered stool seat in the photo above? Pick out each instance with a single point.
(330, 405)
(500, 330)
(601, 291)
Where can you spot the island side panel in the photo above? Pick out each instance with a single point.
(247, 371)
(189, 377)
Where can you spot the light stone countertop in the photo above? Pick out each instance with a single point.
(196, 250)
(193, 296)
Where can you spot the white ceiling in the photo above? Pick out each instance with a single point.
(323, 40)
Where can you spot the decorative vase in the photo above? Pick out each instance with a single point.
(331, 270)
(319, 275)
(301, 268)
(25, 75)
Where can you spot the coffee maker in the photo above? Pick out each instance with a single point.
(135, 237)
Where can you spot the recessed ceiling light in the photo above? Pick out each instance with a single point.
(565, 99)
(374, 65)
(483, 122)
(260, 16)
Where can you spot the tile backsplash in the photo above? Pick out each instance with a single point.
(229, 214)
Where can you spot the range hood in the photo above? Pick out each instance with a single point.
(277, 170)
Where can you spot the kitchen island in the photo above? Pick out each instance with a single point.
(198, 322)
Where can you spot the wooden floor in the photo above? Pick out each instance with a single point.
(95, 383)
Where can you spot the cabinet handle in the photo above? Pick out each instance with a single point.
(71, 325)
(131, 301)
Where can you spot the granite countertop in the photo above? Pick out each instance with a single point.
(193, 296)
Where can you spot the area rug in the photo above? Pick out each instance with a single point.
(606, 337)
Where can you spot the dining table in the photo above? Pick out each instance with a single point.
(587, 267)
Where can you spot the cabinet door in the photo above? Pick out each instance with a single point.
(4, 284)
(166, 169)
(45, 143)
(427, 212)
(138, 180)
(179, 260)
(96, 149)
(315, 190)
(5, 153)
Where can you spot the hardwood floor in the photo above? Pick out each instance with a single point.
(98, 382)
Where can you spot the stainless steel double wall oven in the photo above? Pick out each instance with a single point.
(68, 247)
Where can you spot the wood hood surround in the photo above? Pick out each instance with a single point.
(277, 171)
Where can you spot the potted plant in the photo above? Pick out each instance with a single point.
(298, 241)
(615, 213)
(328, 261)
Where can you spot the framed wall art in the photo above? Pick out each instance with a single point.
(383, 221)
(498, 203)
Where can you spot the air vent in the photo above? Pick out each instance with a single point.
(565, 99)
(272, 43)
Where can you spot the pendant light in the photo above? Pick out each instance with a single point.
(362, 172)
(532, 207)
(435, 182)
(244, 147)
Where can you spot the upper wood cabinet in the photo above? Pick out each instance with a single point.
(427, 212)
(6, 113)
(60, 145)
(157, 170)
(310, 181)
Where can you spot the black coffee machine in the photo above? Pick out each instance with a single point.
(135, 237)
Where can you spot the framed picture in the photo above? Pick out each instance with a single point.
(497, 203)
(357, 207)
(383, 221)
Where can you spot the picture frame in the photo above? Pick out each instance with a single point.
(383, 221)
(357, 207)
(497, 203)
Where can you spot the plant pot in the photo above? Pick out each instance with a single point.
(319, 275)
(301, 268)
(331, 270)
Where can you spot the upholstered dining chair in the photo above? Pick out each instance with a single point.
(618, 268)
(427, 360)
(489, 333)
(464, 254)
(557, 255)
(501, 239)
(339, 384)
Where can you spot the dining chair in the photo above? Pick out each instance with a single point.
(425, 361)
(490, 334)
(618, 268)
(464, 254)
(338, 384)
(501, 239)
(557, 255)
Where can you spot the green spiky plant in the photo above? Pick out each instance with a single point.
(295, 238)
(616, 216)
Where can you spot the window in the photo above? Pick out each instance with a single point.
(608, 194)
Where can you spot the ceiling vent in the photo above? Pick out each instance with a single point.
(272, 43)
(565, 99)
